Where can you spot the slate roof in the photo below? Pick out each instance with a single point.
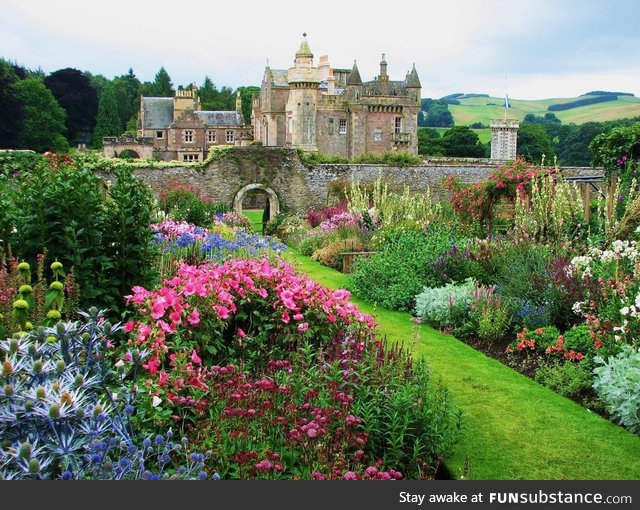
(412, 78)
(158, 112)
(279, 78)
(396, 88)
(220, 118)
(354, 76)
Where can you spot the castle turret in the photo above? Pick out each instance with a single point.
(413, 84)
(238, 102)
(504, 139)
(304, 80)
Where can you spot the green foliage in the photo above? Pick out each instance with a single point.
(40, 110)
(128, 240)
(399, 158)
(492, 317)
(318, 158)
(11, 108)
(246, 94)
(534, 143)
(101, 236)
(430, 143)
(461, 141)
(581, 102)
(447, 306)
(162, 86)
(77, 96)
(617, 382)
(609, 149)
(438, 114)
(108, 122)
(184, 202)
(213, 99)
(404, 266)
(573, 380)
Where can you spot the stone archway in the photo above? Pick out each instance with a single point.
(128, 154)
(274, 201)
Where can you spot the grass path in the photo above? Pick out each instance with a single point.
(514, 428)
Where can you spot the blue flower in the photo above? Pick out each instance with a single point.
(159, 439)
(202, 475)
(215, 476)
(124, 463)
(67, 475)
(146, 442)
(129, 409)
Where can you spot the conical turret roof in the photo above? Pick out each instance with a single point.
(354, 77)
(412, 78)
(304, 50)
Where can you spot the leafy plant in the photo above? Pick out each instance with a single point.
(617, 382)
(445, 306)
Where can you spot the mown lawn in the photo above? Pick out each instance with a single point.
(514, 428)
(255, 215)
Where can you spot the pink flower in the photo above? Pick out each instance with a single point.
(285, 317)
(302, 327)
(194, 317)
(222, 311)
(298, 317)
(129, 326)
(241, 333)
(195, 358)
(262, 292)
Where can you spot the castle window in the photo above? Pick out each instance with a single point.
(211, 136)
(398, 125)
(159, 134)
(229, 136)
(377, 135)
(188, 136)
(342, 129)
(190, 157)
(331, 127)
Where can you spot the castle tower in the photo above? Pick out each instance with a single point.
(414, 87)
(184, 100)
(301, 107)
(504, 139)
(354, 83)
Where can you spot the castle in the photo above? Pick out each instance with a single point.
(333, 111)
(176, 128)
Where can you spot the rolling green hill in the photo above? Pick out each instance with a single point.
(483, 109)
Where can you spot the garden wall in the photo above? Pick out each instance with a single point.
(300, 187)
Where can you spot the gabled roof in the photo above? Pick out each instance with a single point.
(220, 118)
(158, 112)
(279, 77)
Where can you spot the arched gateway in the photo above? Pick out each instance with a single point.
(274, 202)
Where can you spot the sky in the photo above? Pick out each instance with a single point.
(532, 49)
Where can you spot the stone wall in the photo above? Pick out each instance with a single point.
(300, 187)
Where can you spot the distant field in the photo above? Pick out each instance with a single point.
(483, 109)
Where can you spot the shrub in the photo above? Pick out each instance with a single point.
(573, 380)
(184, 202)
(617, 383)
(311, 243)
(445, 306)
(404, 266)
(331, 253)
(101, 235)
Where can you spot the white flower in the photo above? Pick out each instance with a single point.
(156, 401)
(577, 307)
(624, 311)
(619, 246)
(607, 256)
(638, 301)
(617, 338)
(119, 364)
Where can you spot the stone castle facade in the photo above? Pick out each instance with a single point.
(176, 128)
(318, 108)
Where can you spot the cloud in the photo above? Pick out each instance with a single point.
(458, 45)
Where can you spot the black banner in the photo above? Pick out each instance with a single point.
(328, 495)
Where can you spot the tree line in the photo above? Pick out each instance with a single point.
(538, 136)
(68, 107)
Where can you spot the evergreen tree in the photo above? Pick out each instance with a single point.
(162, 84)
(44, 118)
(533, 142)
(246, 94)
(108, 122)
(463, 142)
